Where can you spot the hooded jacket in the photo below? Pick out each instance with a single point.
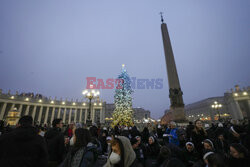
(129, 157)
(23, 147)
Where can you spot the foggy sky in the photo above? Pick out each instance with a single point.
(51, 46)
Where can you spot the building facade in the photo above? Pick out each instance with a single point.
(234, 104)
(44, 110)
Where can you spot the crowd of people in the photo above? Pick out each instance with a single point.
(224, 144)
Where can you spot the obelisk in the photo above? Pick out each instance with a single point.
(175, 93)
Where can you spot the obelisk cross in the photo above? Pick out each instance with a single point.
(162, 20)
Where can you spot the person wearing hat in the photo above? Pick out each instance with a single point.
(208, 146)
(190, 155)
(221, 144)
(152, 150)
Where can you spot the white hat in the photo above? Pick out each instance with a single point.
(206, 125)
(207, 154)
(104, 128)
(220, 125)
(108, 138)
(209, 141)
(125, 128)
(190, 143)
(159, 126)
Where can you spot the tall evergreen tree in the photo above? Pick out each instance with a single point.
(123, 113)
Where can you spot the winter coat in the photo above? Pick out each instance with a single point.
(83, 157)
(174, 137)
(152, 150)
(145, 135)
(55, 143)
(140, 155)
(221, 147)
(23, 147)
(197, 139)
(129, 158)
(190, 157)
(189, 130)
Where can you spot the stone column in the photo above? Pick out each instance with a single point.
(93, 116)
(76, 110)
(27, 110)
(20, 109)
(64, 114)
(3, 111)
(101, 115)
(70, 112)
(59, 112)
(40, 114)
(34, 113)
(80, 117)
(46, 115)
(53, 114)
(86, 112)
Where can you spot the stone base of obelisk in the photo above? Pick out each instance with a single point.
(175, 114)
(178, 114)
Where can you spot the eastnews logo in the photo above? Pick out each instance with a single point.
(110, 83)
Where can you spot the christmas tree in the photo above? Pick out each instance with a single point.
(123, 113)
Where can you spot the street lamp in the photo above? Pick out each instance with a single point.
(216, 106)
(90, 94)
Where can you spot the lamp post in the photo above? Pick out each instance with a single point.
(90, 94)
(216, 106)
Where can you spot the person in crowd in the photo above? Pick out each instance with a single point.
(165, 159)
(2, 129)
(82, 154)
(138, 150)
(173, 137)
(145, 135)
(219, 130)
(23, 146)
(234, 132)
(208, 146)
(198, 135)
(41, 131)
(238, 156)
(116, 131)
(190, 155)
(152, 150)
(189, 129)
(159, 131)
(246, 139)
(94, 139)
(125, 132)
(56, 143)
(215, 160)
(221, 144)
(135, 132)
(102, 138)
(122, 154)
(69, 130)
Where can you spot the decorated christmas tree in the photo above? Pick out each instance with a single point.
(123, 113)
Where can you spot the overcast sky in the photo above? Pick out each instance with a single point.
(51, 46)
